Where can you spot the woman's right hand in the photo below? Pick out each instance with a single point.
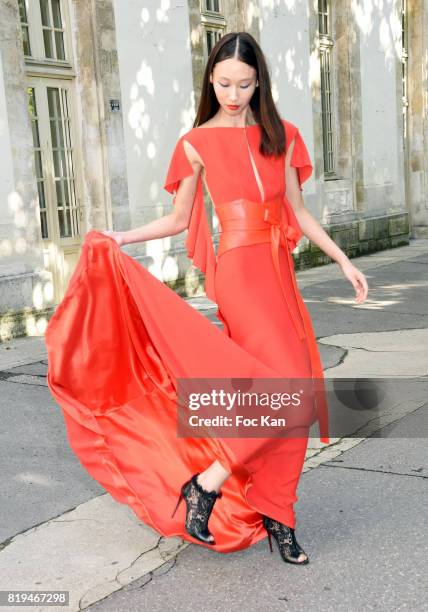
(117, 236)
(357, 279)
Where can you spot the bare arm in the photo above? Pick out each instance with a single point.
(316, 234)
(174, 222)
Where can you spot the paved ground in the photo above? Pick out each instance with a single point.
(362, 502)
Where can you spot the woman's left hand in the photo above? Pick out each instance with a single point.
(357, 279)
(117, 236)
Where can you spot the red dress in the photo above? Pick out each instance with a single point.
(120, 339)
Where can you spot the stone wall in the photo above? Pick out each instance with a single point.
(22, 279)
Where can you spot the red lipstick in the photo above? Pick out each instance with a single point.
(233, 106)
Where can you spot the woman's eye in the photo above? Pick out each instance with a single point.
(242, 86)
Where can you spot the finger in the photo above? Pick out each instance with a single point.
(359, 292)
(364, 285)
(356, 285)
(363, 294)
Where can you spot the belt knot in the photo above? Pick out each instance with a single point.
(272, 215)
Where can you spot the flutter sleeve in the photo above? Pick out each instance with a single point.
(199, 244)
(300, 157)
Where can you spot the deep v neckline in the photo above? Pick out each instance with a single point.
(255, 171)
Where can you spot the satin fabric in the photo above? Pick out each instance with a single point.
(120, 339)
(246, 223)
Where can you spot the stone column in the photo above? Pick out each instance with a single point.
(417, 139)
(98, 89)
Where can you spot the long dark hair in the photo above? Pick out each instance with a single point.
(242, 46)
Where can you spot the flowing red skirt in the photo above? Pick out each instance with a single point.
(118, 342)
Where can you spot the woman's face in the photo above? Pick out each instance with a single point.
(234, 83)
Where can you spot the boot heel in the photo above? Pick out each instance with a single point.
(180, 497)
(270, 541)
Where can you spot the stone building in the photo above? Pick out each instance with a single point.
(95, 93)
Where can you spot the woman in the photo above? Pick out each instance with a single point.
(253, 163)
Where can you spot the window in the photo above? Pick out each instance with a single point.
(212, 36)
(56, 181)
(53, 31)
(323, 17)
(326, 55)
(62, 153)
(24, 27)
(44, 35)
(212, 5)
(213, 24)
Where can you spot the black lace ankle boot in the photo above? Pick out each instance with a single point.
(199, 505)
(289, 548)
